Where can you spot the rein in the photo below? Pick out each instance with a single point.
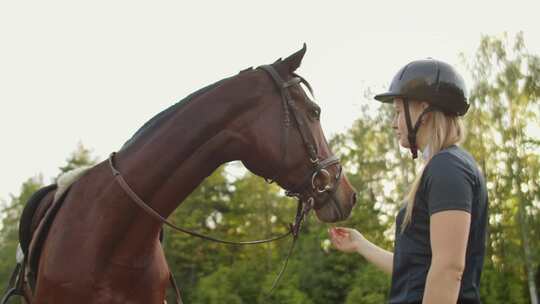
(154, 214)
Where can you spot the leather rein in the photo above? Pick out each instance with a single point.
(305, 202)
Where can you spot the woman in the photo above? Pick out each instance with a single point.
(440, 230)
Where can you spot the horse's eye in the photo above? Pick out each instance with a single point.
(340, 170)
(316, 113)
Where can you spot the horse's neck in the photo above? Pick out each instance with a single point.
(166, 166)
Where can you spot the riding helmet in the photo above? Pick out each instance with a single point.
(430, 80)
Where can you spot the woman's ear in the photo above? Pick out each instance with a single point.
(424, 105)
(425, 118)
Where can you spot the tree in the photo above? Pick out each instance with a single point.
(370, 286)
(504, 113)
(81, 157)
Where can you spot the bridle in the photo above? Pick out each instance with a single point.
(318, 166)
(305, 201)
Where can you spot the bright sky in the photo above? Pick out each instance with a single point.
(95, 71)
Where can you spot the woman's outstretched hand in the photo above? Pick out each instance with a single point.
(346, 239)
(350, 240)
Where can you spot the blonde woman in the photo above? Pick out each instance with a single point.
(441, 228)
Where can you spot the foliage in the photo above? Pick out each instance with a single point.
(504, 116)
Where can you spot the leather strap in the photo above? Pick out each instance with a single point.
(290, 107)
(176, 289)
(412, 131)
(15, 284)
(154, 214)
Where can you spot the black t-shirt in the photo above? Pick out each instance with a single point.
(450, 181)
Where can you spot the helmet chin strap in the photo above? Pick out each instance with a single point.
(412, 131)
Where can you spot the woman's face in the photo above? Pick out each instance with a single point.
(399, 124)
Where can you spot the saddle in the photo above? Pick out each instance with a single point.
(36, 220)
(28, 223)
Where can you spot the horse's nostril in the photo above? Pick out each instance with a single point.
(353, 202)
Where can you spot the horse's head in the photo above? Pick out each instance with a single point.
(287, 144)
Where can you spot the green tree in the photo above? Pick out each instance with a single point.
(81, 157)
(245, 209)
(370, 286)
(504, 115)
(218, 288)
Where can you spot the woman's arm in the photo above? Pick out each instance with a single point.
(449, 232)
(381, 258)
(350, 240)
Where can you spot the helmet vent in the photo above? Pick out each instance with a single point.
(403, 71)
(438, 75)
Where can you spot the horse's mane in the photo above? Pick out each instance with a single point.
(162, 116)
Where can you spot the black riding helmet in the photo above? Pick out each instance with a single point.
(430, 80)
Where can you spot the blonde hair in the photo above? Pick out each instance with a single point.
(440, 131)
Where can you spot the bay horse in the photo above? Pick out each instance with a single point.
(100, 248)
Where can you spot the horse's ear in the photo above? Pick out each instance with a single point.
(277, 61)
(293, 62)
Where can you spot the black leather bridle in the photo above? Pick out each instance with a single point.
(302, 190)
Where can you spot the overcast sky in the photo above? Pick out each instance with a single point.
(95, 71)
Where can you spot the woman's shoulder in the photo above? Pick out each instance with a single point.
(452, 155)
(453, 159)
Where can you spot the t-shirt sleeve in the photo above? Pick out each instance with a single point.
(449, 186)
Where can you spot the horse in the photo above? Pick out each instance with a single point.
(100, 248)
